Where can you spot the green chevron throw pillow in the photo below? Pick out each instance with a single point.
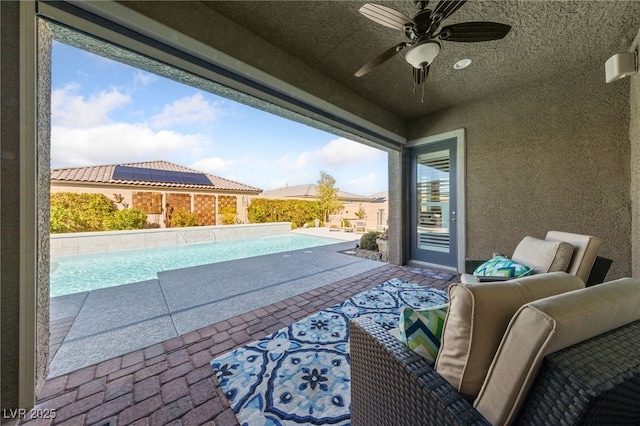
(501, 266)
(421, 330)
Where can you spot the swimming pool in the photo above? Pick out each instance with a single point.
(83, 272)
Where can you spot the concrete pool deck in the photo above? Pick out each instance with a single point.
(90, 327)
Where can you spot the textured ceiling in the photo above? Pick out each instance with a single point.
(548, 38)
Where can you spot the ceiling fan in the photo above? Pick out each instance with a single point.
(423, 34)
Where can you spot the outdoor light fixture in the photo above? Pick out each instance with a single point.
(621, 65)
(423, 54)
(462, 64)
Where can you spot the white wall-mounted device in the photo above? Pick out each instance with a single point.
(621, 65)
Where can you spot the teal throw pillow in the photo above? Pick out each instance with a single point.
(502, 266)
(421, 330)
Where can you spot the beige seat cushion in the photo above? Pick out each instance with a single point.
(546, 326)
(540, 255)
(477, 319)
(543, 256)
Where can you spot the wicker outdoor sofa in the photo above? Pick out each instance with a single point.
(595, 381)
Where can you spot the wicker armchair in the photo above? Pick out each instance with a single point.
(593, 382)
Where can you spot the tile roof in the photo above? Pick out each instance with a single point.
(104, 174)
(308, 191)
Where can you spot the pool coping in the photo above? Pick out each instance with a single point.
(105, 241)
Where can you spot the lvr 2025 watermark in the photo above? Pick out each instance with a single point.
(34, 413)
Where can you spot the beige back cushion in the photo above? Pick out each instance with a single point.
(585, 251)
(543, 256)
(477, 319)
(546, 326)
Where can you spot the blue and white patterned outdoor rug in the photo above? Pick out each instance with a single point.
(300, 374)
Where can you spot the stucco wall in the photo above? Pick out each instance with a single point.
(634, 137)
(9, 204)
(13, 299)
(550, 156)
(43, 205)
(110, 191)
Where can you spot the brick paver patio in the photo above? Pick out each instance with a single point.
(172, 382)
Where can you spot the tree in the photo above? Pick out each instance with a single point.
(327, 195)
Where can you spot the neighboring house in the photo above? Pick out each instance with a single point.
(376, 206)
(158, 188)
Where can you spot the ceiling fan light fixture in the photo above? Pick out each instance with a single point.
(462, 64)
(423, 54)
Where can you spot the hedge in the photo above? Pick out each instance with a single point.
(72, 212)
(265, 210)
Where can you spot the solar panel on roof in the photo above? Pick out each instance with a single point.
(141, 174)
(123, 172)
(165, 176)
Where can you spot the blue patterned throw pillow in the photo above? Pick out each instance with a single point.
(502, 266)
(421, 330)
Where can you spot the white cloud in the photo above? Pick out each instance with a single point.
(337, 153)
(82, 132)
(189, 110)
(141, 78)
(363, 185)
(213, 165)
(118, 143)
(343, 151)
(293, 163)
(72, 110)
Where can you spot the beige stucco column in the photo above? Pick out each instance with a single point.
(634, 139)
(24, 194)
(396, 208)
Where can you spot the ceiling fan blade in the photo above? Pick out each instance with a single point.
(385, 16)
(445, 8)
(385, 56)
(474, 31)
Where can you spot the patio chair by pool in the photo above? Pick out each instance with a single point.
(360, 227)
(335, 222)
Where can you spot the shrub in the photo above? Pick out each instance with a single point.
(228, 215)
(71, 212)
(264, 210)
(121, 220)
(182, 218)
(293, 225)
(368, 241)
(62, 220)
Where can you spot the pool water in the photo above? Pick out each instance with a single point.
(83, 272)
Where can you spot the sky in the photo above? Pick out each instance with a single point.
(106, 112)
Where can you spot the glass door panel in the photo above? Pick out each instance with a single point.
(434, 215)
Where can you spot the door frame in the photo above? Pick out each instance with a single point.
(460, 137)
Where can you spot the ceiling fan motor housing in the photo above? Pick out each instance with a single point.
(424, 24)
